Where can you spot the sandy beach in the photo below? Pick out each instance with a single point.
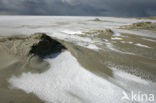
(76, 59)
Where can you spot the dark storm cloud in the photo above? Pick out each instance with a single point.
(79, 7)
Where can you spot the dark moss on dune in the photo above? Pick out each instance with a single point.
(46, 46)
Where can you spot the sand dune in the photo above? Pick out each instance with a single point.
(20, 54)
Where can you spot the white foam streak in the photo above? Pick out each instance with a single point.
(116, 38)
(72, 32)
(141, 45)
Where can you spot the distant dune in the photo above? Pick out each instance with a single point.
(141, 25)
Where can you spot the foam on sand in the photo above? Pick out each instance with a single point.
(68, 82)
(92, 46)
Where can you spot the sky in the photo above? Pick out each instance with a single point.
(124, 8)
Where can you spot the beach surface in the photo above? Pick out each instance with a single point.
(46, 59)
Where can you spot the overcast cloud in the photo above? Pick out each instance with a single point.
(79, 7)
